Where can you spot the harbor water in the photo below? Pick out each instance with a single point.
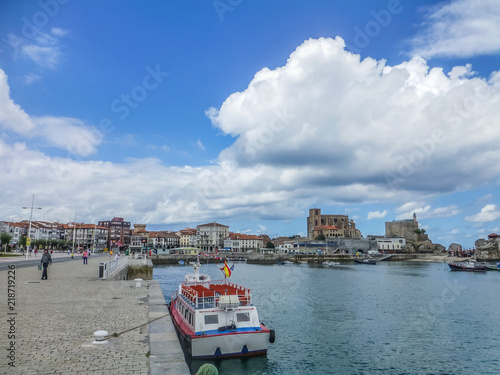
(388, 318)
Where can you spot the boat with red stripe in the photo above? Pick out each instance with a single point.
(217, 319)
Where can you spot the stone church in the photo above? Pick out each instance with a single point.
(341, 225)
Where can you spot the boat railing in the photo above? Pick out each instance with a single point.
(201, 297)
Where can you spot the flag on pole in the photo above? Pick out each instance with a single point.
(226, 269)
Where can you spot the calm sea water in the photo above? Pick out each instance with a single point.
(389, 318)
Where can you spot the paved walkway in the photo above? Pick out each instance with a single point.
(55, 320)
(21, 258)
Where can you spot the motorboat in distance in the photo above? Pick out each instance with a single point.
(468, 266)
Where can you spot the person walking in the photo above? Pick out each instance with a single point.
(45, 262)
(85, 255)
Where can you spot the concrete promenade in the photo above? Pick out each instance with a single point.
(53, 322)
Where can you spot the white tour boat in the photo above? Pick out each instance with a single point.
(217, 319)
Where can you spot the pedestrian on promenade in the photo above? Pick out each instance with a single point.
(45, 261)
(35, 252)
(207, 369)
(117, 256)
(85, 255)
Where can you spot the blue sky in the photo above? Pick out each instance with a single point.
(177, 113)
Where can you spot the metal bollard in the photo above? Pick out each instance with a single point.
(101, 270)
(100, 337)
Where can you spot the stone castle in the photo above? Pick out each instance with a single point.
(405, 228)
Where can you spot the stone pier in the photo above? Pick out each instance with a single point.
(55, 319)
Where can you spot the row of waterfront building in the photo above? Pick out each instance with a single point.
(119, 233)
(328, 233)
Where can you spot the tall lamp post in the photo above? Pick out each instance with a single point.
(93, 239)
(28, 239)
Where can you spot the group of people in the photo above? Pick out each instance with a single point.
(85, 255)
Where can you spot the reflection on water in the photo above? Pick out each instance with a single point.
(391, 318)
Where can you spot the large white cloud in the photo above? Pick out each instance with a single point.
(329, 118)
(460, 28)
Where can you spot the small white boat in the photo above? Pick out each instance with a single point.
(217, 319)
(288, 262)
(329, 263)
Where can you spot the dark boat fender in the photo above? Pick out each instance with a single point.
(272, 336)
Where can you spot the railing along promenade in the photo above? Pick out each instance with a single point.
(108, 269)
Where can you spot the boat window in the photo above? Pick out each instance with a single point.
(211, 319)
(243, 317)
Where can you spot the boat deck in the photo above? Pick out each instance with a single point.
(202, 297)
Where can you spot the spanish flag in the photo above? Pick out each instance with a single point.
(226, 269)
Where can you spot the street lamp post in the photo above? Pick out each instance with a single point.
(93, 239)
(74, 234)
(28, 239)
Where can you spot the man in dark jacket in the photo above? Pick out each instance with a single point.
(45, 261)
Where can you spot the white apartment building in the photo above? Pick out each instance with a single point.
(390, 244)
(243, 242)
(284, 247)
(211, 236)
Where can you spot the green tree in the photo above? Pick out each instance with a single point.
(270, 245)
(321, 237)
(5, 239)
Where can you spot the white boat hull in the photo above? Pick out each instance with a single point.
(230, 345)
